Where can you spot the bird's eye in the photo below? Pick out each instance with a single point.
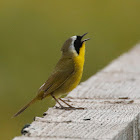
(77, 44)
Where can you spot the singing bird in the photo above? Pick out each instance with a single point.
(66, 74)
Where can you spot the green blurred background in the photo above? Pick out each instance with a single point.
(31, 35)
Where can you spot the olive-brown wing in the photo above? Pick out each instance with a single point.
(62, 72)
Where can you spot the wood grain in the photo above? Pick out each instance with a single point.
(111, 102)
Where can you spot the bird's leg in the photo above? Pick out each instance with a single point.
(57, 100)
(70, 107)
(67, 108)
(66, 103)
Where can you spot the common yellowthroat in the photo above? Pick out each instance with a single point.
(67, 72)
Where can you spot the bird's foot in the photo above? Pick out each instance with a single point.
(69, 108)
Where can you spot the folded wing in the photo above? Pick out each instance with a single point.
(61, 73)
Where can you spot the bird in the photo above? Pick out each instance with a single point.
(66, 74)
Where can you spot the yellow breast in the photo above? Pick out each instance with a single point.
(79, 59)
(79, 63)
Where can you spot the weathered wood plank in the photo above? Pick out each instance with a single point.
(111, 100)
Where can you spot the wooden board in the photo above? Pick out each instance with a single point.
(111, 102)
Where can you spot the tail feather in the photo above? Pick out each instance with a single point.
(26, 106)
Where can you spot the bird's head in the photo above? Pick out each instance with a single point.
(73, 45)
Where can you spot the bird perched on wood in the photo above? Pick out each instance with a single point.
(67, 72)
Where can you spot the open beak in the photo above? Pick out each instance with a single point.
(84, 39)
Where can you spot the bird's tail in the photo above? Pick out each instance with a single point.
(26, 106)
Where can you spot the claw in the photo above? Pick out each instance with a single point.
(70, 108)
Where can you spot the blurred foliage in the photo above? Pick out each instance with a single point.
(31, 35)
